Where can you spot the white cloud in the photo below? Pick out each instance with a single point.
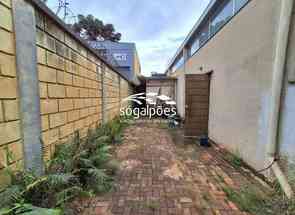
(158, 27)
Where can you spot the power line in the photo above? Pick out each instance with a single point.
(64, 11)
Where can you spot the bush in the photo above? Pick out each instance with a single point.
(115, 128)
(82, 167)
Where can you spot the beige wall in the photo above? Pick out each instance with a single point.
(287, 128)
(10, 131)
(70, 84)
(179, 74)
(137, 67)
(240, 56)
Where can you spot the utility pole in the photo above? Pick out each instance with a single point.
(64, 9)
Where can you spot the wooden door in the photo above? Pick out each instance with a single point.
(197, 91)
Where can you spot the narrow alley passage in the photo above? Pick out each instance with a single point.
(162, 174)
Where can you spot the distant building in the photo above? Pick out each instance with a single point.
(123, 56)
(160, 84)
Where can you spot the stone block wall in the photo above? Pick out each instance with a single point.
(10, 131)
(111, 87)
(77, 89)
(70, 84)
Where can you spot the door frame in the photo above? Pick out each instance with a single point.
(209, 74)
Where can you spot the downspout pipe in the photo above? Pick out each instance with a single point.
(277, 85)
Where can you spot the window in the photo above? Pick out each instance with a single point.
(195, 46)
(221, 17)
(239, 4)
(178, 63)
(204, 34)
(120, 57)
(200, 39)
(225, 11)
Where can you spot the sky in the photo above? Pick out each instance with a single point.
(158, 27)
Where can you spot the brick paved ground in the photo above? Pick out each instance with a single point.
(163, 174)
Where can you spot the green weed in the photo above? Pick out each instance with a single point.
(234, 159)
(82, 167)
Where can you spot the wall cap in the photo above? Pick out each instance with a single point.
(48, 12)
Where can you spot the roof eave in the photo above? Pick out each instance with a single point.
(191, 33)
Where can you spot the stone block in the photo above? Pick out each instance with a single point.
(56, 91)
(6, 41)
(11, 109)
(41, 55)
(88, 102)
(73, 115)
(72, 92)
(74, 56)
(91, 110)
(60, 49)
(88, 121)
(47, 74)
(45, 122)
(78, 125)
(55, 61)
(57, 119)
(65, 104)
(41, 38)
(3, 156)
(64, 78)
(43, 90)
(54, 30)
(93, 93)
(50, 137)
(66, 130)
(84, 112)
(49, 106)
(71, 67)
(1, 112)
(5, 18)
(8, 87)
(50, 43)
(9, 132)
(84, 93)
(71, 42)
(78, 103)
(78, 81)
(7, 65)
(40, 19)
(87, 83)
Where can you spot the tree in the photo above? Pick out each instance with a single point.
(92, 28)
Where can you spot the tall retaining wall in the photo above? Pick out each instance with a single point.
(10, 130)
(77, 89)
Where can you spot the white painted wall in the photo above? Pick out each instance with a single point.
(241, 57)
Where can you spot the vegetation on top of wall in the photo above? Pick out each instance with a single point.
(83, 167)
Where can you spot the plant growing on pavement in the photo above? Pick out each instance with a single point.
(250, 199)
(234, 159)
(82, 167)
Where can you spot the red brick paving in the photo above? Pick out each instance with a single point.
(162, 175)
